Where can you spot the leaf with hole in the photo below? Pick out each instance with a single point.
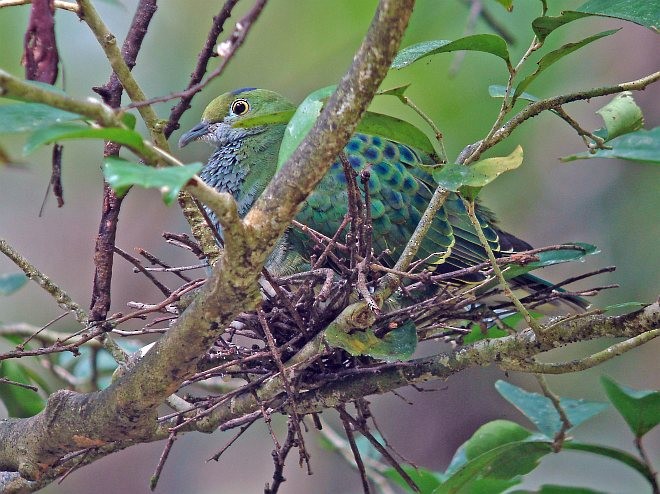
(121, 175)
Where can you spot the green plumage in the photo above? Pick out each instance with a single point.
(246, 159)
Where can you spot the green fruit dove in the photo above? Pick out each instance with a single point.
(244, 160)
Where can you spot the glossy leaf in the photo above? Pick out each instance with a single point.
(302, 122)
(642, 146)
(454, 176)
(28, 117)
(643, 12)
(398, 344)
(425, 480)
(543, 26)
(542, 413)
(621, 116)
(556, 55)
(121, 175)
(12, 282)
(499, 450)
(488, 43)
(488, 436)
(71, 130)
(573, 252)
(20, 402)
(396, 130)
(639, 408)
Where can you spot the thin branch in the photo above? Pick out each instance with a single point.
(59, 4)
(62, 298)
(583, 363)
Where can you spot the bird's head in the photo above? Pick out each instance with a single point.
(224, 112)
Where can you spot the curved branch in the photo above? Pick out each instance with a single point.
(126, 410)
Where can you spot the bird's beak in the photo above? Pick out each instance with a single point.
(197, 132)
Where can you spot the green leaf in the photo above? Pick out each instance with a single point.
(129, 120)
(396, 130)
(543, 26)
(12, 282)
(542, 413)
(615, 454)
(507, 4)
(625, 307)
(498, 91)
(499, 450)
(121, 175)
(454, 176)
(642, 146)
(397, 91)
(302, 122)
(639, 408)
(556, 55)
(71, 130)
(20, 402)
(558, 489)
(398, 344)
(643, 12)
(488, 43)
(426, 480)
(28, 117)
(572, 252)
(488, 436)
(621, 116)
(477, 333)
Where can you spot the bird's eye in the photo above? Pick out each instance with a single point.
(240, 107)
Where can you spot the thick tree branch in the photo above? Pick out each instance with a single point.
(125, 410)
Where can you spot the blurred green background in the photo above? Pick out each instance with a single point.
(297, 47)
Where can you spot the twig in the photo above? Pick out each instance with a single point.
(62, 298)
(58, 4)
(226, 50)
(356, 452)
(560, 436)
(138, 265)
(207, 51)
(469, 206)
(153, 482)
(583, 363)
